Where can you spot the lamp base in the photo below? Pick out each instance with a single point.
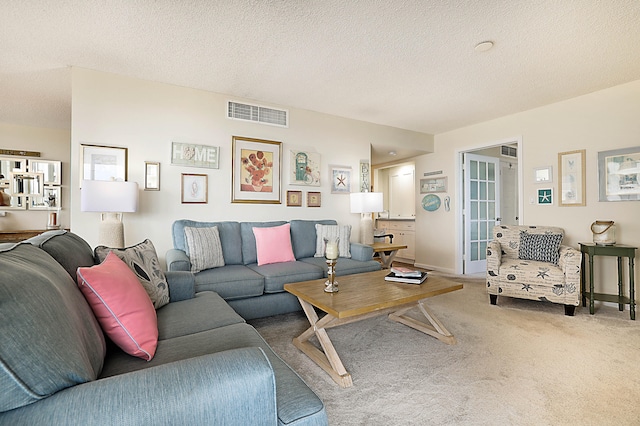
(111, 231)
(366, 229)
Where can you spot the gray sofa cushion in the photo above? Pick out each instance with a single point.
(345, 266)
(50, 337)
(276, 275)
(249, 252)
(68, 249)
(231, 282)
(294, 398)
(303, 236)
(207, 310)
(229, 238)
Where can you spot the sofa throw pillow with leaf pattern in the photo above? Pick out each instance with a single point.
(540, 247)
(143, 261)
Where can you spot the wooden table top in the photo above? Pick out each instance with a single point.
(369, 292)
(378, 247)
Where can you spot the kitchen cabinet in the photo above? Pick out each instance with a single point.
(404, 232)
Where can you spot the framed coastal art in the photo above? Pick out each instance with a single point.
(571, 178)
(195, 188)
(340, 179)
(304, 168)
(256, 171)
(429, 185)
(618, 173)
(103, 163)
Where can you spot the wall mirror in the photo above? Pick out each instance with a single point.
(26, 184)
(51, 170)
(10, 165)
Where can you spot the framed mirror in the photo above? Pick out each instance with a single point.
(51, 170)
(7, 202)
(26, 184)
(48, 201)
(10, 165)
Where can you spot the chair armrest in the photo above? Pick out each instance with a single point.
(361, 252)
(177, 260)
(235, 387)
(571, 262)
(182, 285)
(494, 259)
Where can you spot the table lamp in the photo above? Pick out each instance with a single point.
(111, 199)
(366, 203)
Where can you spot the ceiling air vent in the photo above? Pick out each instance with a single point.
(509, 151)
(258, 114)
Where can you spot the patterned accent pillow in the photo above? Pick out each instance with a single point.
(343, 232)
(204, 248)
(143, 261)
(540, 247)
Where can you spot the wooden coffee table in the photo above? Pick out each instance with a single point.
(362, 296)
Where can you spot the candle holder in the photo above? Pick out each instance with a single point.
(331, 285)
(331, 254)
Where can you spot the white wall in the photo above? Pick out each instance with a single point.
(52, 144)
(147, 116)
(599, 121)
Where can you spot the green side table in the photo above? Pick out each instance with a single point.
(620, 251)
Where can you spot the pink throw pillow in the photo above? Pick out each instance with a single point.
(273, 245)
(121, 305)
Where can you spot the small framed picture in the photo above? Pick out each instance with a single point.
(545, 196)
(103, 163)
(542, 175)
(340, 179)
(429, 185)
(151, 176)
(294, 198)
(314, 199)
(194, 188)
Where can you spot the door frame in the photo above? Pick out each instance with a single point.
(459, 192)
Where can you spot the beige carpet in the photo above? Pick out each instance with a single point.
(518, 363)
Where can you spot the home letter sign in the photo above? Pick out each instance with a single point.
(192, 155)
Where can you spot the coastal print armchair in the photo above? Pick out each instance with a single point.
(530, 262)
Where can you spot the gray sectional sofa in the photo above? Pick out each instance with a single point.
(257, 291)
(57, 367)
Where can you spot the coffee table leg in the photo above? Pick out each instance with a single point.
(328, 360)
(433, 328)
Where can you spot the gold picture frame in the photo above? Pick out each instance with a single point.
(99, 162)
(195, 188)
(572, 178)
(256, 171)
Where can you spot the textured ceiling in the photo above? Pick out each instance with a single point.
(409, 64)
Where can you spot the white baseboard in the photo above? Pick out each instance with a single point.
(435, 268)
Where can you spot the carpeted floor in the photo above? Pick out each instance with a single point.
(519, 363)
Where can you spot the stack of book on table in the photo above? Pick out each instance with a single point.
(406, 275)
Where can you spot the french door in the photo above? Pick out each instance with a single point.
(481, 208)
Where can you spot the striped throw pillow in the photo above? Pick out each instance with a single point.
(204, 248)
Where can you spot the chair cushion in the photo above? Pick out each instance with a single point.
(143, 261)
(531, 272)
(540, 247)
(273, 245)
(121, 305)
(50, 338)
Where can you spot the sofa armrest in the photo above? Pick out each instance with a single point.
(361, 252)
(235, 387)
(182, 285)
(177, 260)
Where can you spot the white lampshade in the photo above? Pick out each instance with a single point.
(366, 202)
(108, 196)
(111, 198)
